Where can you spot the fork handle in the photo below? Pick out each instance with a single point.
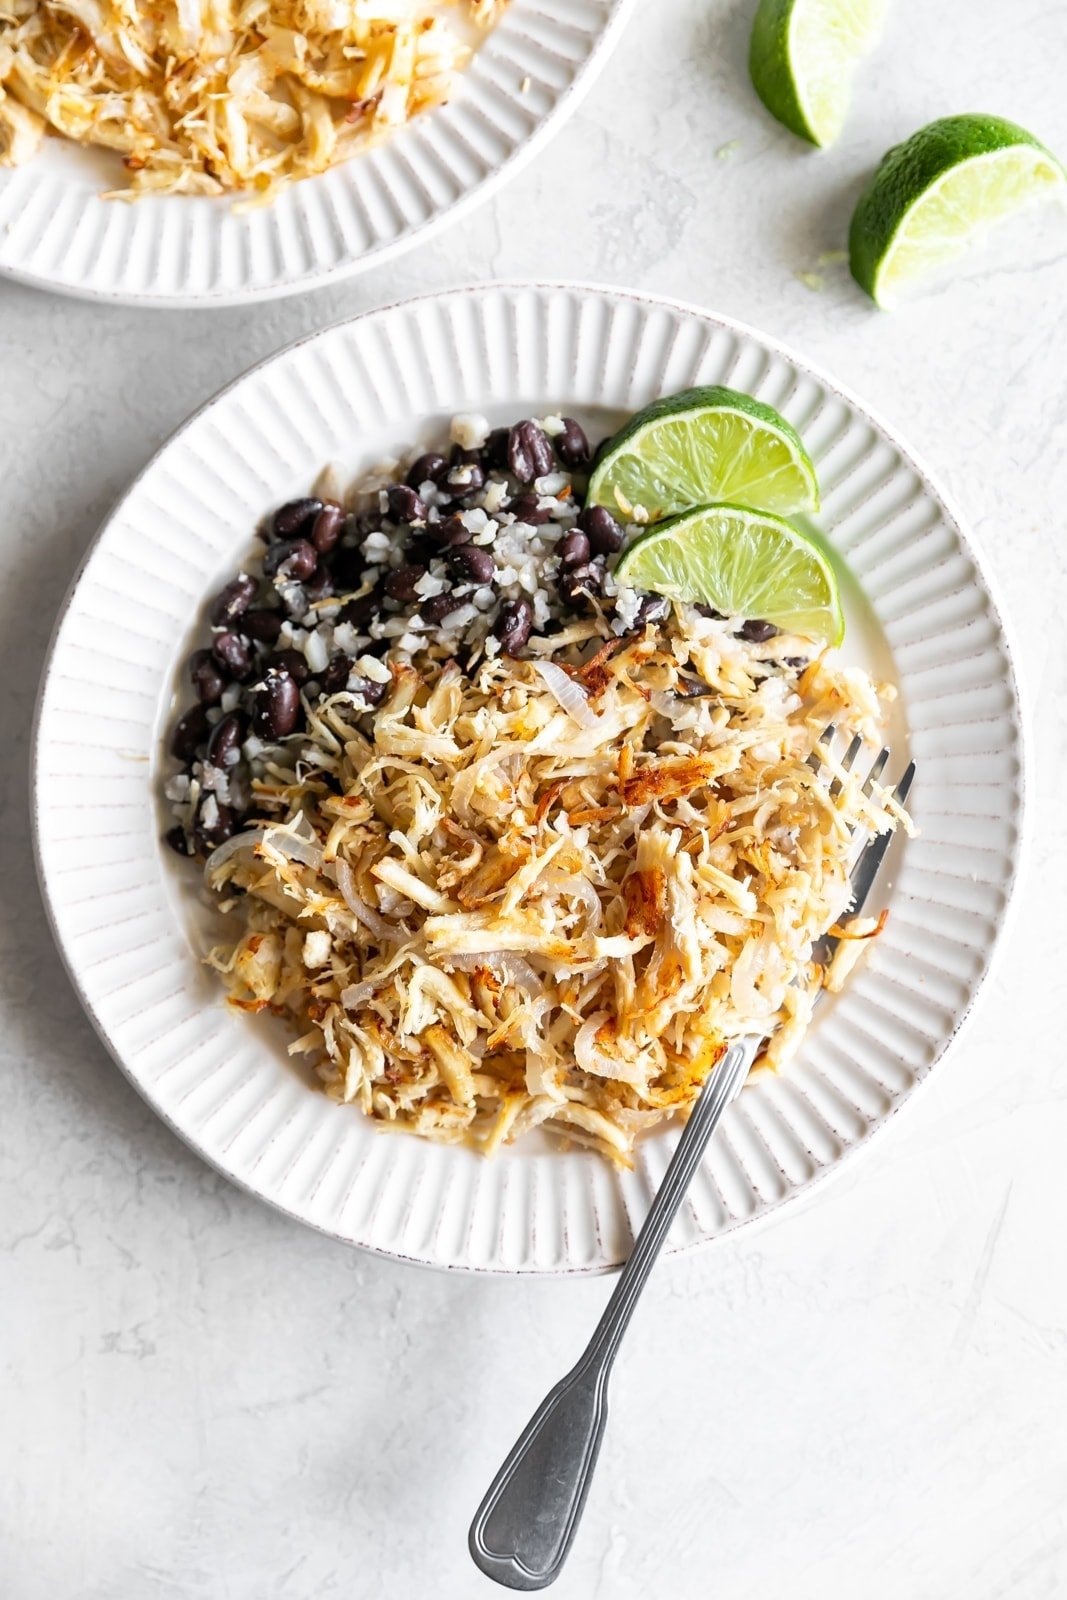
(523, 1528)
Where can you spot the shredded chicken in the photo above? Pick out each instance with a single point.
(497, 913)
(203, 96)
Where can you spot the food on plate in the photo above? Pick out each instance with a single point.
(204, 96)
(937, 193)
(507, 839)
(700, 445)
(803, 57)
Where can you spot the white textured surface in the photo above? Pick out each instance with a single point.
(132, 927)
(203, 1401)
(56, 229)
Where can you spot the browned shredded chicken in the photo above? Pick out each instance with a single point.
(202, 96)
(513, 908)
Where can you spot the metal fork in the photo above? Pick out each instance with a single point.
(523, 1529)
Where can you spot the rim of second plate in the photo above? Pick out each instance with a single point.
(551, 123)
(1022, 817)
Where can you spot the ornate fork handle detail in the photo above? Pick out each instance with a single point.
(524, 1526)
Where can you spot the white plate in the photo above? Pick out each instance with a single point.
(529, 72)
(124, 908)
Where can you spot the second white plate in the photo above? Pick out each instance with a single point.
(125, 909)
(56, 232)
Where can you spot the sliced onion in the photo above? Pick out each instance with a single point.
(578, 888)
(514, 969)
(230, 847)
(570, 695)
(357, 994)
(294, 847)
(359, 908)
(592, 1059)
(748, 969)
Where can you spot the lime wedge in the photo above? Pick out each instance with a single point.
(803, 57)
(701, 445)
(937, 192)
(744, 563)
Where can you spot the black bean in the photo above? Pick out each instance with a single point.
(232, 652)
(293, 558)
(693, 689)
(327, 527)
(653, 608)
(514, 625)
(294, 516)
(574, 548)
(405, 505)
(756, 632)
(372, 691)
(292, 662)
(234, 600)
(261, 625)
(471, 563)
(798, 663)
(208, 836)
(529, 452)
(577, 584)
(438, 607)
(466, 478)
(400, 584)
(450, 532)
(277, 706)
(429, 468)
(605, 534)
(495, 449)
(348, 568)
(420, 552)
(360, 613)
(336, 674)
(572, 446)
(208, 679)
(178, 840)
(190, 732)
(376, 647)
(320, 585)
(226, 738)
(527, 509)
(708, 611)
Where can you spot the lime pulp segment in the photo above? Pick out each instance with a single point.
(702, 445)
(744, 563)
(939, 191)
(803, 58)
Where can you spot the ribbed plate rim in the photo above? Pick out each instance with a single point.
(931, 484)
(379, 254)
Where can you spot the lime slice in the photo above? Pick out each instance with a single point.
(701, 445)
(939, 190)
(803, 57)
(744, 563)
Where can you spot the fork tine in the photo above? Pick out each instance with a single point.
(846, 761)
(877, 768)
(871, 856)
(900, 793)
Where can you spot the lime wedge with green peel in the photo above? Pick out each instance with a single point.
(933, 195)
(803, 57)
(744, 563)
(701, 445)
